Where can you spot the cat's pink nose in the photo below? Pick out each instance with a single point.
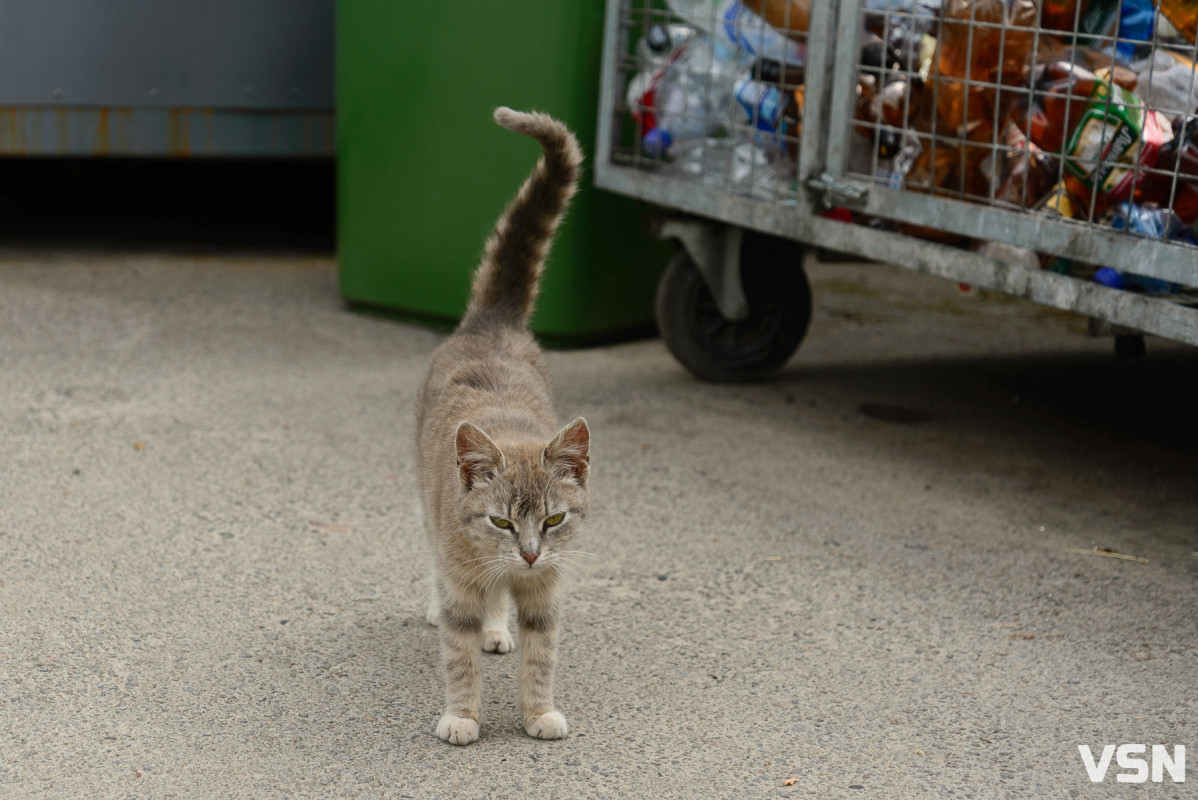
(530, 557)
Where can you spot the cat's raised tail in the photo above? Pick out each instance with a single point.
(505, 284)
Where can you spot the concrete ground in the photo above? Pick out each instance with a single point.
(860, 576)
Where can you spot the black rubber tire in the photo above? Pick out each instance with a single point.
(717, 349)
(1128, 346)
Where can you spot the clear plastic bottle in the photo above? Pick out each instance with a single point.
(732, 23)
(733, 164)
(769, 101)
(663, 42)
(658, 48)
(687, 95)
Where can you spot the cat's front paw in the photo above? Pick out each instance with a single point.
(458, 730)
(551, 725)
(498, 641)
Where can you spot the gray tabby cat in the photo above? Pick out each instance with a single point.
(501, 492)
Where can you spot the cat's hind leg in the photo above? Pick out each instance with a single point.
(496, 636)
(433, 613)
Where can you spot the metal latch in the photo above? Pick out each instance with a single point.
(836, 192)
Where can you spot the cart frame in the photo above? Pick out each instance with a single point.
(824, 182)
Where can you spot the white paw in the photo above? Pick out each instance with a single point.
(498, 641)
(547, 726)
(433, 615)
(458, 730)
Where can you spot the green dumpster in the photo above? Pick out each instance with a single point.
(423, 172)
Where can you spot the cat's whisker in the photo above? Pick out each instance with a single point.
(480, 558)
(497, 572)
(581, 554)
(569, 575)
(576, 565)
(494, 573)
(490, 572)
(563, 567)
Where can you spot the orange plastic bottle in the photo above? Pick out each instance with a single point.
(968, 55)
(1184, 16)
(1178, 156)
(790, 17)
(895, 105)
(1060, 15)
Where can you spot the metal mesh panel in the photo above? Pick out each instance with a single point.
(1076, 113)
(712, 95)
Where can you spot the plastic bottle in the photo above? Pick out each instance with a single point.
(766, 101)
(968, 50)
(762, 106)
(731, 23)
(663, 42)
(1133, 20)
(1156, 223)
(897, 103)
(1060, 15)
(1179, 156)
(1184, 16)
(731, 164)
(660, 47)
(790, 17)
(689, 96)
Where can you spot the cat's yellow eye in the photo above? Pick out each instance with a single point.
(500, 522)
(556, 519)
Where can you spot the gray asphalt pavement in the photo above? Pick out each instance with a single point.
(859, 579)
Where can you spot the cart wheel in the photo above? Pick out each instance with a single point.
(718, 349)
(1130, 346)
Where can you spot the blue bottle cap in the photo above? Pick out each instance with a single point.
(1109, 277)
(656, 142)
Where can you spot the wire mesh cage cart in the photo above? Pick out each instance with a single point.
(1043, 148)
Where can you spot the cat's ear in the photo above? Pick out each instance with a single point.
(479, 460)
(569, 453)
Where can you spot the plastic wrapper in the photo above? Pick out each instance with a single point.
(1026, 173)
(1166, 82)
(1104, 131)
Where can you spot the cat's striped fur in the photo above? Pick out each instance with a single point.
(495, 472)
